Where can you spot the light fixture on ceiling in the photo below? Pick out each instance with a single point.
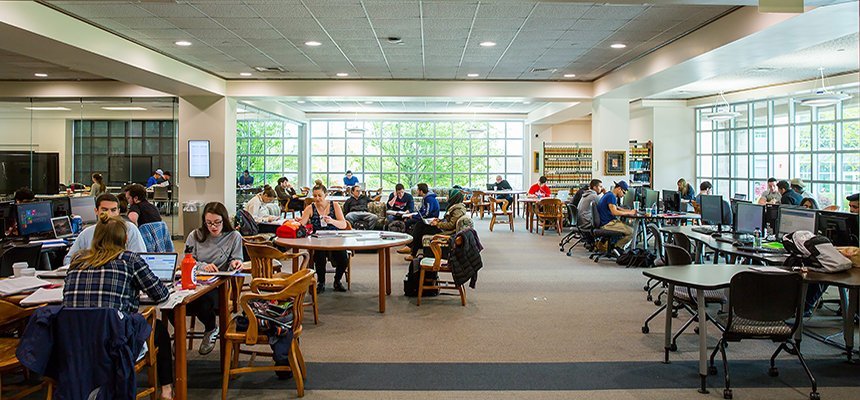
(460, 102)
(40, 75)
(342, 74)
(182, 43)
(569, 75)
(618, 45)
(245, 74)
(313, 43)
(47, 108)
(487, 44)
(355, 131)
(822, 96)
(300, 101)
(124, 108)
(475, 129)
(368, 102)
(723, 112)
(394, 40)
(472, 75)
(527, 102)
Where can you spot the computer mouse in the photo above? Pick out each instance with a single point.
(716, 234)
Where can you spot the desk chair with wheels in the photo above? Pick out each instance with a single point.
(601, 237)
(575, 230)
(30, 253)
(160, 194)
(759, 306)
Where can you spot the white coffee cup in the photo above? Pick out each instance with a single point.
(18, 267)
(28, 272)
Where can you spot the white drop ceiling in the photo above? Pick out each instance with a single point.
(412, 105)
(14, 67)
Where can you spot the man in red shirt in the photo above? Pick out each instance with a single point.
(542, 187)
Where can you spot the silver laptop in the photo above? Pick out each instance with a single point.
(62, 227)
(163, 265)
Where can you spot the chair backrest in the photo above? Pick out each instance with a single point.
(159, 193)
(762, 296)
(11, 312)
(595, 216)
(676, 255)
(262, 259)
(552, 207)
(682, 241)
(477, 197)
(29, 253)
(503, 203)
(658, 241)
(293, 287)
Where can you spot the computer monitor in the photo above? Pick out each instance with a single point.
(841, 228)
(712, 209)
(792, 219)
(628, 199)
(34, 218)
(85, 207)
(739, 196)
(650, 198)
(749, 217)
(61, 206)
(671, 200)
(163, 265)
(62, 227)
(771, 216)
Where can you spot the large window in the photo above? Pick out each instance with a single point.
(783, 139)
(122, 151)
(266, 145)
(439, 153)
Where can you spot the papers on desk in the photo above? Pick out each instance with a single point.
(769, 269)
(43, 296)
(59, 273)
(12, 286)
(172, 301)
(395, 213)
(221, 273)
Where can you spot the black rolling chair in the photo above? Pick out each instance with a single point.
(29, 253)
(575, 231)
(654, 231)
(760, 304)
(602, 236)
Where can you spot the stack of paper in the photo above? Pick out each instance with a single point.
(43, 296)
(12, 286)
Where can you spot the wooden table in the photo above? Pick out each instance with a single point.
(529, 204)
(515, 193)
(356, 240)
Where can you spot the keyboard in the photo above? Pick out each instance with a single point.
(767, 250)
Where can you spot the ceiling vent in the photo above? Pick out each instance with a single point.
(270, 69)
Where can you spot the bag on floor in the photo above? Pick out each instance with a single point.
(814, 251)
(396, 226)
(410, 282)
(275, 321)
(637, 258)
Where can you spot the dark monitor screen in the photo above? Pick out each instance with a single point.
(60, 206)
(841, 228)
(669, 203)
(712, 209)
(794, 219)
(628, 199)
(650, 198)
(739, 196)
(749, 217)
(85, 207)
(34, 218)
(771, 216)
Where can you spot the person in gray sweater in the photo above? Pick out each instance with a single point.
(589, 197)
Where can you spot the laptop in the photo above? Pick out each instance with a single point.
(163, 265)
(740, 196)
(491, 186)
(62, 227)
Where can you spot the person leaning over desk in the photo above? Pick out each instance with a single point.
(140, 210)
(326, 215)
(110, 276)
(258, 205)
(106, 204)
(540, 188)
(686, 190)
(789, 196)
(350, 180)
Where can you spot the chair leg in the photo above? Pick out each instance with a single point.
(301, 361)
(645, 328)
(314, 300)
(191, 331)
(462, 295)
(225, 378)
(511, 221)
(297, 372)
(727, 394)
(492, 222)
(420, 285)
(814, 394)
(683, 328)
(773, 357)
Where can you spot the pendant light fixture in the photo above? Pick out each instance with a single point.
(723, 112)
(355, 131)
(475, 129)
(822, 96)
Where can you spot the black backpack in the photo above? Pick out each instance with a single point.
(410, 282)
(245, 223)
(637, 258)
(396, 226)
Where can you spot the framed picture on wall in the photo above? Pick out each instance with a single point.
(536, 162)
(614, 161)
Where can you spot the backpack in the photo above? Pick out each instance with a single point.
(813, 251)
(245, 223)
(637, 258)
(291, 230)
(275, 321)
(396, 226)
(410, 282)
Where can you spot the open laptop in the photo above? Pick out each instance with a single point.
(62, 227)
(163, 265)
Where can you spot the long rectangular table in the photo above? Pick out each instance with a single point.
(703, 240)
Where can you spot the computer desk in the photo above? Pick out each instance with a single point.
(702, 240)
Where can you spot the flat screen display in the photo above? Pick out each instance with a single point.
(198, 158)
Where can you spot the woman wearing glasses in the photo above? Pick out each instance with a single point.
(217, 247)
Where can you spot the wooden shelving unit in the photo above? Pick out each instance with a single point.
(566, 165)
(640, 161)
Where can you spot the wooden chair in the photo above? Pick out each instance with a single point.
(293, 288)
(479, 203)
(502, 211)
(10, 314)
(437, 264)
(550, 213)
(262, 267)
(149, 359)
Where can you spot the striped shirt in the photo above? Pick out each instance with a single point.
(116, 285)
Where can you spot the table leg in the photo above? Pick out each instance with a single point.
(670, 300)
(703, 341)
(180, 333)
(848, 314)
(381, 254)
(387, 251)
(223, 316)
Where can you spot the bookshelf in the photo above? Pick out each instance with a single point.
(640, 162)
(566, 165)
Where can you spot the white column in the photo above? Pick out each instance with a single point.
(213, 119)
(610, 121)
(674, 144)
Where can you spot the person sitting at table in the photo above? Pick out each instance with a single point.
(809, 203)
(259, 208)
(156, 176)
(686, 190)
(326, 215)
(446, 226)
(350, 180)
(106, 204)
(771, 194)
(502, 184)
(216, 246)
(400, 202)
(540, 189)
(609, 211)
(789, 196)
(98, 186)
(584, 219)
(429, 210)
(355, 209)
(140, 210)
(246, 180)
(109, 276)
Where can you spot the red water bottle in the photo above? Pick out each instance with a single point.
(187, 268)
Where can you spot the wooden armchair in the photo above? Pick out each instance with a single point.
(550, 213)
(437, 264)
(501, 211)
(263, 267)
(293, 288)
(479, 203)
(10, 314)
(149, 359)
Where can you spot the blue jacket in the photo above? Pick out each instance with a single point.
(429, 207)
(85, 349)
(350, 181)
(151, 181)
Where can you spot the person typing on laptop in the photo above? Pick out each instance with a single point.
(110, 276)
(106, 204)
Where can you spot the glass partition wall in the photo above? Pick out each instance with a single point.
(784, 139)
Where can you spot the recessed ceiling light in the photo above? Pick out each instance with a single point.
(472, 75)
(527, 102)
(342, 74)
(569, 75)
(300, 101)
(245, 73)
(487, 44)
(840, 49)
(313, 43)
(460, 102)
(183, 43)
(47, 108)
(125, 108)
(479, 105)
(368, 102)
(618, 45)
(40, 75)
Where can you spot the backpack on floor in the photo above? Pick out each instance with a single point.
(396, 226)
(410, 282)
(813, 251)
(637, 258)
(245, 223)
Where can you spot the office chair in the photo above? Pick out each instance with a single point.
(30, 253)
(759, 306)
(602, 236)
(575, 231)
(655, 233)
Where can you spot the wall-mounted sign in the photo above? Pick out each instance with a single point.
(198, 158)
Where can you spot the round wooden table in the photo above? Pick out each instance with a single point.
(357, 240)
